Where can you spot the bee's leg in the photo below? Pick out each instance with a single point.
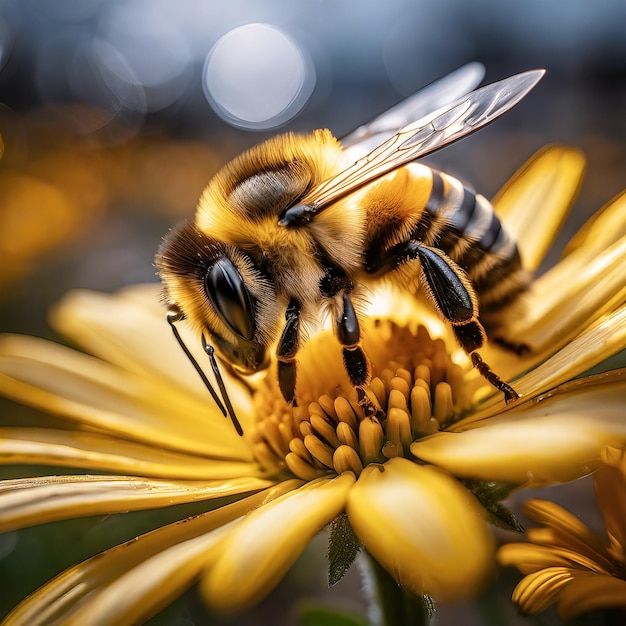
(454, 297)
(471, 336)
(336, 286)
(286, 351)
(349, 335)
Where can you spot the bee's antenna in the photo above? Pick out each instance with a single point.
(220, 383)
(175, 315)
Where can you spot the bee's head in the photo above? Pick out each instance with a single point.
(221, 292)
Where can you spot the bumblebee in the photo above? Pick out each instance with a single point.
(303, 225)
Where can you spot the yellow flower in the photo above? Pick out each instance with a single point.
(567, 562)
(396, 459)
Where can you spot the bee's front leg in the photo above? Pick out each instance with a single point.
(286, 351)
(349, 335)
(337, 287)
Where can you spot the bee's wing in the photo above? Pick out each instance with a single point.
(422, 137)
(431, 98)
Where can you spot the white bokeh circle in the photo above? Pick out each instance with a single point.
(257, 77)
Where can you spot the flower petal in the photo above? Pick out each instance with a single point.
(258, 553)
(69, 448)
(610, 487)
(590, 592)
(423, 527)
(556, 438)
(599, 342)
(603, 229)
(30, 501)
(98, 395)
(129, 329)
(534, 203)
(562, 528)
(529, 558)
(538, 591)
(557, 308)
(132, 581)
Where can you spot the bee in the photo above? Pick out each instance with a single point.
(305, 224)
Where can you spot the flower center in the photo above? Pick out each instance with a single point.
(415, 390)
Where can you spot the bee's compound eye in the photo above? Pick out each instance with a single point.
(226, 290)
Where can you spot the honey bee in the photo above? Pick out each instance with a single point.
(306, 224)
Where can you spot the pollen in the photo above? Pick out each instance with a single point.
(415, 390)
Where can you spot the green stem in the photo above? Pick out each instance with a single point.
(390, 604)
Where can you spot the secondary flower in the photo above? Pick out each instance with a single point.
(567, 562)
(396, 459)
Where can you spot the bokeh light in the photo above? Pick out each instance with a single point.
(257, 77)
(151, 46)
(6, 42)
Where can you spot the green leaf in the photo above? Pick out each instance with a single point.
(490, 494)
(502, 517)
(343, 547)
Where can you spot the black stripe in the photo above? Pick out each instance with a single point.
(498, 273)
(465, 212)
(509, 289)
(490, 236)
(457, 222)
(436, 194)
(422, 228)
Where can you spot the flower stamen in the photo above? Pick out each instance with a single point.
(416, 392)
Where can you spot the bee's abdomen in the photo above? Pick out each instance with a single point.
(464, 226)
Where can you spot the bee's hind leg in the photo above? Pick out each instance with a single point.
(471, 336)
(454, 297)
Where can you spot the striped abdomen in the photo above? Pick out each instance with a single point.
(464, 226)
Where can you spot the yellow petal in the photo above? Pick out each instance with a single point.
(602, 340)
(557, 308)
(108, 588)
(258, 553)
(603, 229)
(129, 329)
(534, 203)
(556, 438)
(562, 529)
(529, 558)
(30, 501)
(590, 592)
(423, 527)
(567, 526)
(150, 586)
(538, 591)
(78, 449)
(610, 487)
(65, 382)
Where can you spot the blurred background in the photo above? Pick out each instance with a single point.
(114, 115)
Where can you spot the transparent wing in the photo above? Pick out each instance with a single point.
(418, 139)
(431, 98)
